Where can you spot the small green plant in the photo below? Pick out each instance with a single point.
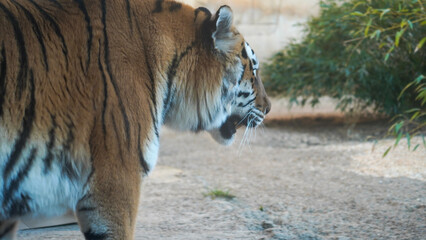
(412, 122)
(217, 193)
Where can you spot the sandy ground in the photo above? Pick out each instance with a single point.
(297, 178)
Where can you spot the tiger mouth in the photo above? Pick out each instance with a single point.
(252, 119)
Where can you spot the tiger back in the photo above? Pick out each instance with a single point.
(85, 87)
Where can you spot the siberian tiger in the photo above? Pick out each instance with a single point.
(85, 86)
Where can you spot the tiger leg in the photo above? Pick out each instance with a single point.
(8, 229)
(108, 208)
(106, 213)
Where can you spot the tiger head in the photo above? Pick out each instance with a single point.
(243, 93)
(219, 87)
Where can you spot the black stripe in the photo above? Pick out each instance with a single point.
(92, 171)
(175, 6)
(37, 32)
(244, 94)
(207, 107)
(129, 16)
(200, 125)
(90, 235)
(49, 156)
(83, 9)
(158, 6)
(27, 125)
(56, 3)
(16, 182)
(152, 94)
(23, 58)
(7, 229)
(225, 91)
(142, 161)
(242, 74)
(171, 73)
(101, 69)
(117, 135)
(20, 206)
(56, 29)
(151, 88)
(86, 209)
(154, 120)
(70, 136)
(257, 114)
(138, 26)
(3, 67)
(114, 83)
(68, 168)
(245, 105)
(244, 53)
(86, 196)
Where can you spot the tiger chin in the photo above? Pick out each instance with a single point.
(85, 87)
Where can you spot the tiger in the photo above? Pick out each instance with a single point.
(87, 85)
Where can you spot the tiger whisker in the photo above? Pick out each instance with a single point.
(238, 124)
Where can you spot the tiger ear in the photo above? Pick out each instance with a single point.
(223, 38)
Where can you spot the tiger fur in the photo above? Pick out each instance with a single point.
(85, 86)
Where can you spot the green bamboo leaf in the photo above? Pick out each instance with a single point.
(405, 89)
(398, 139)
(387, 151)
(410, 24)
(389, 52)
(423, 23)
(387, 56)
(398, 36)
(367, 28)
(383, 13)
(357, 13)
(376, 34)
(408, 140)
(415, 148)
(403, 23)
(415, 115)
(420, 78)
(420, 44)
(398, 126)
(413, 110)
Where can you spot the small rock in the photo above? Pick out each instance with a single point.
(267, 225)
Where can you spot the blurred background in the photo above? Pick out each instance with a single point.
(267, 25)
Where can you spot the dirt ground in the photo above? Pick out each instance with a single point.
(309, 177)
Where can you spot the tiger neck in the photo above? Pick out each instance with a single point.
(188, 77)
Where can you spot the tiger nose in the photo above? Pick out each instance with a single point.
(267, 107)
